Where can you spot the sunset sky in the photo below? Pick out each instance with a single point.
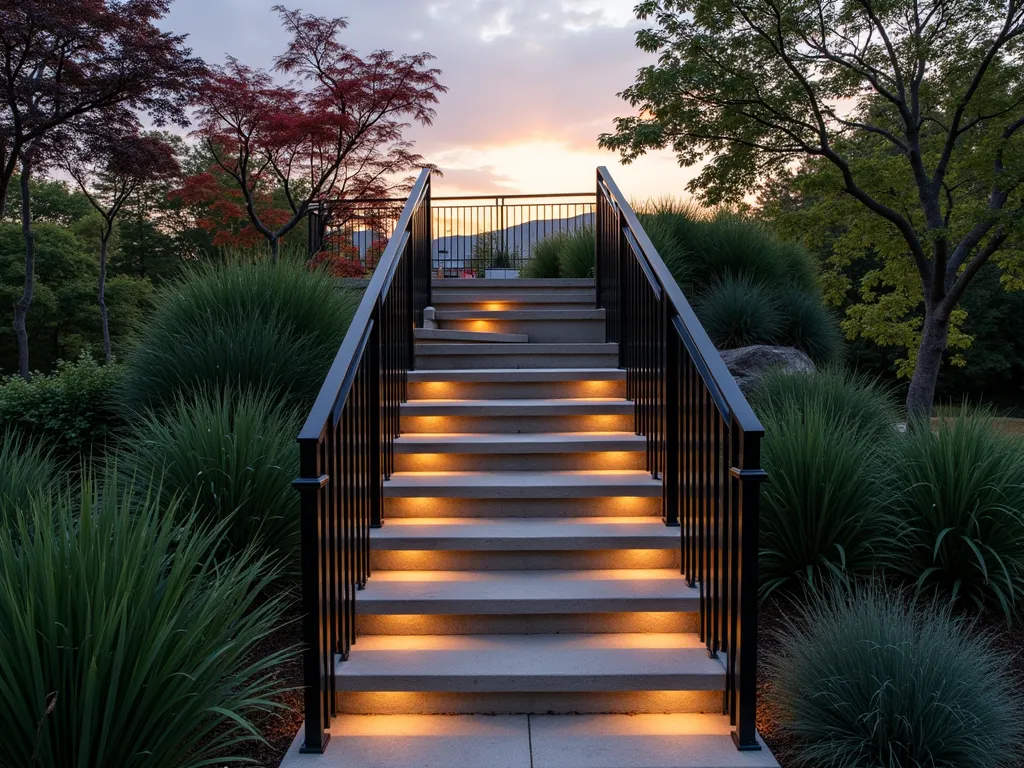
(532, 82)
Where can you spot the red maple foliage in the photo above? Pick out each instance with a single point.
(334, 131)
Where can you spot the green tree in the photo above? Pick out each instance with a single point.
(750, 87)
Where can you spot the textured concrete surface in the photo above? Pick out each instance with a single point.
(530, 741)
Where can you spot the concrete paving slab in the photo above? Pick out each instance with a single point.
(420, 741)
(639, 741)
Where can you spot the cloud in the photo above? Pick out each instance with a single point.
(525, 76)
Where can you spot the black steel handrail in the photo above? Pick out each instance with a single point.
(703, 441)
(346, 451)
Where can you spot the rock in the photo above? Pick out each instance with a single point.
(749, 364)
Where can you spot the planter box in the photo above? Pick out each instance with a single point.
(501, 274)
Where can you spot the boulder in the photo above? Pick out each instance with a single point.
(749, 364)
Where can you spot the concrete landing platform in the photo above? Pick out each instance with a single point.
(530, 741)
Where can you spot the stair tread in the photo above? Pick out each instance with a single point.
(476, 375)
(519, 442)
(520, 314)
(508, 592)
(510, 485)
(525, 534)
(542, 348)
(520, 406)
(482, 284)
(449, 334)
(562, 662)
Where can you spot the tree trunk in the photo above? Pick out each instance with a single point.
(103, 299)
(22, 305)
(275, 250)
(935, 333)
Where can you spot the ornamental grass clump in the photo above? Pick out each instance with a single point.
(233, 455)
(241, 323)
(576, 259)
(864, 403)
(545, 261)
(869, 680)
(809, 325)
(123, 640)
(737, 312)
(822, 513)
(26, 469)
(959, 496)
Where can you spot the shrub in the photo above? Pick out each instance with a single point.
(234, 455)
(546, 259)
(73, 409)
(576, 258)
(864, 403)
(737, 312)
(663, 229)
(271, 326)
(822, 511)
(26, 469)
(809, 325)
(868, 680)
(730, 246)
(960, 496)
(122, 641)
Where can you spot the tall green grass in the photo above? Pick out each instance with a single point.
(233, 455)
(809, 325)
(738, 312)
(250, 324)
(545, 261)
(959, 495)
(864, 679)
(26, 469)
(576, 259)
(865, 404)
(123, 640)
(822, 513)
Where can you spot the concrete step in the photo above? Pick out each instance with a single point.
(523, 485)
(525, 560)
(521, 452)
(609, 414)
(434, 356)
(500, 535)
(541, 325)
(461, 334)
(601, 506)
(521, 592)
(485, 285)
(530, 663)
(530, 741)
(507, 299)
(509, 383)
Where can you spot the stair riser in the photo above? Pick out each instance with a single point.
(528, 624)
(486, 508)
(516, 424)
(626, 702)
(501, 390)
(538, 331)
(529, 462)
(514, 360)
(579, 560)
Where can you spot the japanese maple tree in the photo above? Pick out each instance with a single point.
(63, 62)
(109, 169)
(334, 130)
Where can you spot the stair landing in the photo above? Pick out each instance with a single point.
(530, 741)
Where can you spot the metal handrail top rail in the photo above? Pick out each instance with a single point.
(331, 390)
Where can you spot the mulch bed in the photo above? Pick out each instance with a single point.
(279, 726)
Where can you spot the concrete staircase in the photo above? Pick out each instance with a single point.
(526, 608)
